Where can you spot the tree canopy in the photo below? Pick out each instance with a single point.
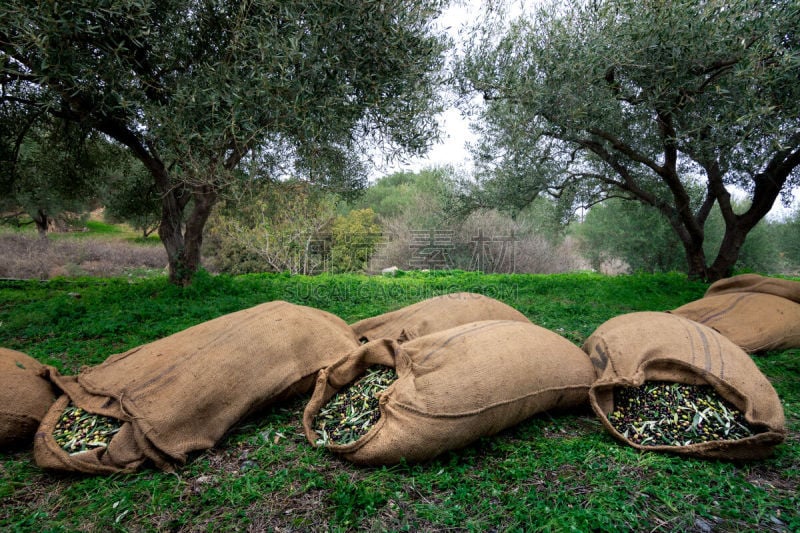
(644, 100)
(196, 89)
(49, 167)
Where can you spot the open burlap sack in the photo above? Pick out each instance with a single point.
(631, 349)
(435, 314)
(784, 288)
(755, 312)
(455, 386)
(25, 397)
(182, 393)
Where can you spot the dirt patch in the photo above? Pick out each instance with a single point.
(29, 257)
(767, 479)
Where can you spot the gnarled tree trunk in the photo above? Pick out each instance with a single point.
(184, 242)
(42, 221)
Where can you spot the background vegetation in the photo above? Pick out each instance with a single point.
(555, 471)
(421, 220)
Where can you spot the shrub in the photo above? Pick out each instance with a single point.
(282, 228)
(486, 240)
(354, 237)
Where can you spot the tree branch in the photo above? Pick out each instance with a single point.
(770, 181)
(626, 149)
(628, 183)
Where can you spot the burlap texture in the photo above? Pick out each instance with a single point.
(754, 321)
(455, 386)
(757, 283)
(648, 346)
(182, 393)
(435, 314)
(25, 397)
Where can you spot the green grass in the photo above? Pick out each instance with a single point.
(553, 472)
(97, 227)
(90, 229)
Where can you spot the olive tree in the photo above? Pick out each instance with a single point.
(130, 196)
(48, 168)
(645, 100)
(197, 88)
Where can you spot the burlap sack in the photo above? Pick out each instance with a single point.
(631, 349)
(755, 312)
(784, 288)
(25, 396)
(455, 386)
(182, 393)
(435, 314)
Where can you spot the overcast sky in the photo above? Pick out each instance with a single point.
(452, 149)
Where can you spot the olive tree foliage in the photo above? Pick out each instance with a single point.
(642, 100)
(194, 89)
(48, 168)
(130, 196)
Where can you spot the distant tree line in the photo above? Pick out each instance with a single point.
(429, 220)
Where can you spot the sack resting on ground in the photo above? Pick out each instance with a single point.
(182, 393)
(756, 313)
(455, 386)
(25, 397)
(635, 348)
(435, 314)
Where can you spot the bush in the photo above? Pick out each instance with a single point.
(354, 237)
(628, 233)
(283, 227)
(486, 240)
(789, 239)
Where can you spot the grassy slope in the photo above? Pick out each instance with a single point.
(552, 472)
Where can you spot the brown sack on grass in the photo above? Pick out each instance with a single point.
(25, 397)
(435, 314)
(455, 386)
(756, 283)
(183, 392)
(631, 349)
(755, 322)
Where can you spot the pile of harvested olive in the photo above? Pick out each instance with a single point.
(78, 431)
(674, 414)
(352, 411)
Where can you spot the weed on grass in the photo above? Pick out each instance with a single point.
(554, 471)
